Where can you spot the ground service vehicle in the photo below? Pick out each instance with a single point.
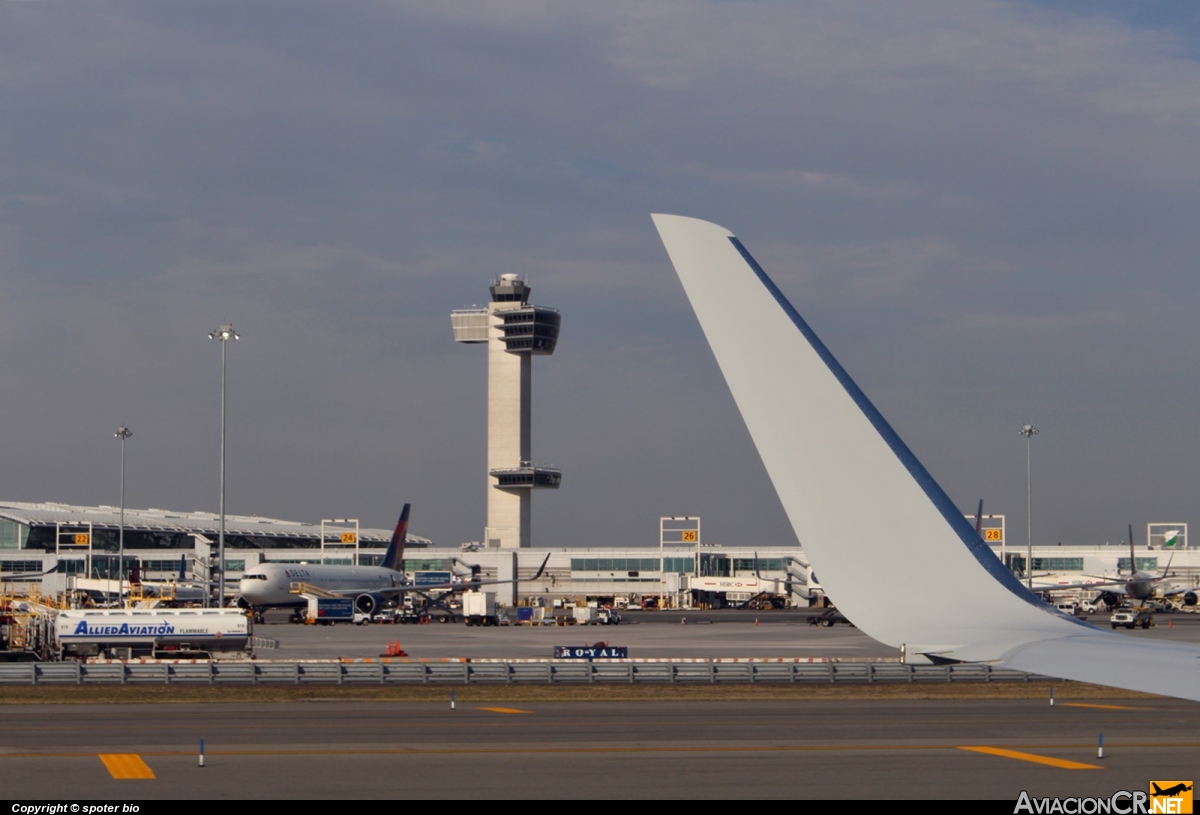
(479, 608)
(827, 618)
(129, 633)
(1131, 618)
(606, 616)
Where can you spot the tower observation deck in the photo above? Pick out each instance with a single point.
(514, 332)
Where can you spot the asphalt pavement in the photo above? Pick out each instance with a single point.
(608, 750)
(723, 633)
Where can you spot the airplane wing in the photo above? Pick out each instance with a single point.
(1116, 587)
(463, 585)
(1116, 660)
(27, 575)
(837, 465)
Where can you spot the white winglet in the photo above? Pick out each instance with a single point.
(838, 466)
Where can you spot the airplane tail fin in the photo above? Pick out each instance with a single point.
(182, 568)
(979, 519)
(394, 558)
(1157, 788)
(135, 573)
(1132, 559)
(541, 568)
(1167, 568)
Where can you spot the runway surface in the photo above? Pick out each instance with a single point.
(675, 634)
(812, 749)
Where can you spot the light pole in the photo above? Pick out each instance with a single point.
(1028, 431)
(223, 334)
(122, 433)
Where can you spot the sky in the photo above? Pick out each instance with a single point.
(987, 210)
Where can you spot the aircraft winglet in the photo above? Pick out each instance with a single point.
(837, 465)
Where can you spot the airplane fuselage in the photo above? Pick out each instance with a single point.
(269, 585)
(1141, 586)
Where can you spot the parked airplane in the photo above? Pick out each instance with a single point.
(1140, 585)
(836, 464)
(269, 585)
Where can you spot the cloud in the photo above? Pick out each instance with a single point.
(965, 198)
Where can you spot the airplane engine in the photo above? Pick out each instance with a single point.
(1110, 599)
(1190, 598)
(369, 603)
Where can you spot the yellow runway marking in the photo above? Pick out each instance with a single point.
(505, 710)
(126, 765)
(1061, 763)
(1101, 707)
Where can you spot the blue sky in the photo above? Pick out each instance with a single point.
(985, 209)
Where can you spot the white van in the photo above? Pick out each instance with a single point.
(1072, 609)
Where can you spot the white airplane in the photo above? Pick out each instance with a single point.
(1140, 585)
(836, 464)
(269, 585)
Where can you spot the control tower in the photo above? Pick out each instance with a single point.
(514, 331)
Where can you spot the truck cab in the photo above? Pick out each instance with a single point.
(1132, 618)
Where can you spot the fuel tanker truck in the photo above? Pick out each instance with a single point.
(197, 633)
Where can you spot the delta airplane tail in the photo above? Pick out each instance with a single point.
(837, 465)
(394, 557)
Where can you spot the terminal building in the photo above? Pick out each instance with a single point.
(50, 542)
(74, 540)
(69, 541)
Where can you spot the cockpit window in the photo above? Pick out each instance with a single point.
(254, 577)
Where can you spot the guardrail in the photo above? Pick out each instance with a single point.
(415, 672)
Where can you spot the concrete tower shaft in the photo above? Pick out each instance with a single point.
(514, 331)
